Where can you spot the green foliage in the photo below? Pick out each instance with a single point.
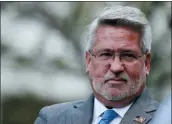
(59, 63)
(23, 61)
(4, 48)
(22, 110)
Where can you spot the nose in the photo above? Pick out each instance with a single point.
(116, 66)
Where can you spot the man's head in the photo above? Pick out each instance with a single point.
(118, 54)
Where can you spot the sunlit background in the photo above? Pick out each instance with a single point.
(42, 54)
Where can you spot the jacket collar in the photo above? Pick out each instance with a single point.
(83, 111)
(140, 111)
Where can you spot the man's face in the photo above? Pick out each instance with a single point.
(118, 78)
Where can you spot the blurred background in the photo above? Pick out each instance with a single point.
(42, 54)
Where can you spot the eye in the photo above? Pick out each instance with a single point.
(108, 54)
(128, 56)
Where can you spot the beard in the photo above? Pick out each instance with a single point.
(131, 87)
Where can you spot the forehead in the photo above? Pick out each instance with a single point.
(117, 37)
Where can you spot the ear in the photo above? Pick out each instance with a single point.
(148, 63)
(87, 61)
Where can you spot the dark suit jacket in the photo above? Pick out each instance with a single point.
(81, 112)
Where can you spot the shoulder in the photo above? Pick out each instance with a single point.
(56, 113)
(58, 109)
(147, 101)
(154, 102)
(163, 112)
(61, 107)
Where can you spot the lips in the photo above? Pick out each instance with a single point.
(116, 81)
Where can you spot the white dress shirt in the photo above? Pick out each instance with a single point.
(99, 108)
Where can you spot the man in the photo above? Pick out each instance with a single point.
(117, 62)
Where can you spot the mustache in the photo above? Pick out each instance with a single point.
(116, 77)
(108, 77)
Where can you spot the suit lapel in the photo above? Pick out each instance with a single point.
(140, 111)
(142, 108)
(82, 113)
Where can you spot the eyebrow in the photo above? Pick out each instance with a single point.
(120, 50)
(127, 51)
(105, 50)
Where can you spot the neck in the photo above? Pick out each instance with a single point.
(117, 104)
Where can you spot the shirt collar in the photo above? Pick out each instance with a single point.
(99, 108)
(123, 110)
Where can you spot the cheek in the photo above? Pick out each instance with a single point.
(135, 71)
(98, 70)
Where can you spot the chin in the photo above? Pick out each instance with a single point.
(117, 95)
(114, 95)
(114, 98)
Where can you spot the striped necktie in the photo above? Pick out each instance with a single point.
(108, 116)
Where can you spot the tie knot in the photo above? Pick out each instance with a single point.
(109, 115)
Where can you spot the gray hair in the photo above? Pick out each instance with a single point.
(122, 15)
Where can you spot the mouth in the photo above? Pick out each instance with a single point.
(116, 81)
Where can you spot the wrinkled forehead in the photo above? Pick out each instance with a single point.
(118, 36)
(116, 32)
